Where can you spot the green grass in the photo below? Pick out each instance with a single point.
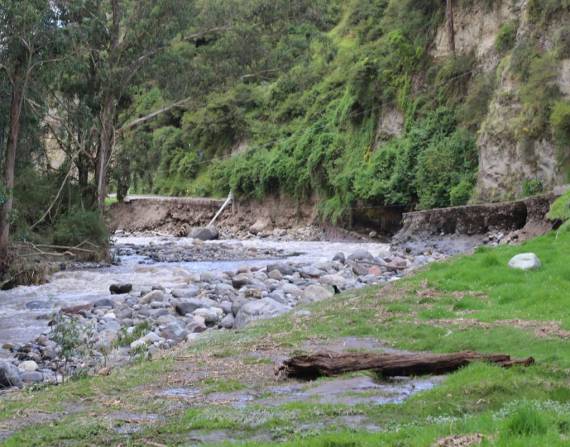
(426, 312)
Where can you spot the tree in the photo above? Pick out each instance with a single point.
(450, 25)
(26, 43)
(120, 38)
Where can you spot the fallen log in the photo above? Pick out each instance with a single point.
(310, 367)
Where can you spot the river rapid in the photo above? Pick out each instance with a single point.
(25, 311)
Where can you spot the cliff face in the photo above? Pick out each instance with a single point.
(524, 52)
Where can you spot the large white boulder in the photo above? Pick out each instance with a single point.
(525, 261)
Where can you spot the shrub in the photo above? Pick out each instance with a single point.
(560, 211)
(461, 193)
(78, 226)
(563, 43)
(446, 165)
(506, 36)
(532, 187)
(560, 122)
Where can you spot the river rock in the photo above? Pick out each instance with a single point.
(189, 306)
(228, 321)
(197, 324)
(241, 280)
(210, 314)
(28, 365)
(148, 339)
(37, 305)
(259, 310)
(310, 272)
(276, 275)
(525, 261)
(155, 295)
(361, 255)
(335, 281)
(226, 306)
(120, 289)
(212, 277)
(339, 257)
(205, 233)
(316, 293)
(359, 269)
(188, 292)
(9, 375)
(32, 377)
(104, 302)
(237, 304)
(292, 289)
(173, 331)
(285, 269)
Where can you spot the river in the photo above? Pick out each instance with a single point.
(25, 311)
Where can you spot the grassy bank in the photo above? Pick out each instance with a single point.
(474, 302)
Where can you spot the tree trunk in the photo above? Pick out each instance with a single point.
(18, 91)
(105, 148)
(388, 365)
(450, 26)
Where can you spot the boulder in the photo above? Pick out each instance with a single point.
(189, 306)
(120, 289)
(276, 275)
(188, 292)
(241, 280)
(197, 325)
(259, 310)
(173, 331)
(9, 375)
(525, 261)
(32, 377)
(155, 295)
(104, 302)
(237, 305)
(205, 233)
(37, 305)
(285, 269)
(361, 255)
(316, 293)
(28, 365)
(148, 339)
(335, 281)
(228, 321)
(339, 257)
(210, 314)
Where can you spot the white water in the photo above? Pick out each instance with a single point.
(18, 324)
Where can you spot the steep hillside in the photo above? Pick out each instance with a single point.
(378, 110)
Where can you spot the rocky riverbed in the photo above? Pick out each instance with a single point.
(165, 291)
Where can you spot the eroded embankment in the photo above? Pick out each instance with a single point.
(458, 228)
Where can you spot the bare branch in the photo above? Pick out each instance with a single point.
(152, 115)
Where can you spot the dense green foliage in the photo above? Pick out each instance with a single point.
(342, 102)
(316, 125)
(560, 211)
(78, 227)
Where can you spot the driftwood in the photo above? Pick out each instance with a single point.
(329, 364)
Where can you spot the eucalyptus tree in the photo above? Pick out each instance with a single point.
(28, 40)
(119, 39)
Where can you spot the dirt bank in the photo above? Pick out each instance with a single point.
(274, 216)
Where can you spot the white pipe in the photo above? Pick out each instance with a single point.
(226, 203)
